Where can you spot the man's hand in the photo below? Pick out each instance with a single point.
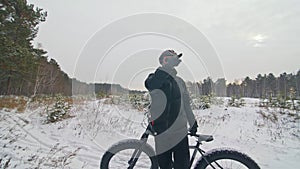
(193, 129)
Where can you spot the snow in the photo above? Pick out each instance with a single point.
(27, 141)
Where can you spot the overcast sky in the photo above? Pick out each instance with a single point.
(248, 36)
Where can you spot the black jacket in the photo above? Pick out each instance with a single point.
(170, 102)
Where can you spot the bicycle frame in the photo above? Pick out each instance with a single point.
(150, 131)
(196, 149)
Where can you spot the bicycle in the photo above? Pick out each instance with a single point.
(135, 153)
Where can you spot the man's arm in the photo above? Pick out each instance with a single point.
(187, 105)
(188, 110)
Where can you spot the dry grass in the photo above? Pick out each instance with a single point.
(13, 102)
(48, 100)
(269, 116)
(19, 103)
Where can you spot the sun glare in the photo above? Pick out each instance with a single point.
(259, 38)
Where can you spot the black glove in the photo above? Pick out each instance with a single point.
(193, 129)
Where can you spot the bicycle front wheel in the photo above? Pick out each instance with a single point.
(129, 154)
(226, 158)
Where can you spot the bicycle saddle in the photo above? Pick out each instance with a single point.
(206, 138)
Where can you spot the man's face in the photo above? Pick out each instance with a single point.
(173, 61)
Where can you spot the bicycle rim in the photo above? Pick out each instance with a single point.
(226, 164)
(226, 159)
(129, 154)
(123, 159)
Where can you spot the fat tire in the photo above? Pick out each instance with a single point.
(222, 154)
(128, 144)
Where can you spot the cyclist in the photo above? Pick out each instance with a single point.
(170, 113)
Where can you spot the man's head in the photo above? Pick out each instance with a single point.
(170, 58)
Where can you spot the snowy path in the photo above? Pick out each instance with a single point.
(79, 142)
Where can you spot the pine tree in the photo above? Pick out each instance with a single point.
(18, 27)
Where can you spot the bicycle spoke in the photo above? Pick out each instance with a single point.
(226, 164)
(124, 158)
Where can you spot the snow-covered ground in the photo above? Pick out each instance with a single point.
(26, 141)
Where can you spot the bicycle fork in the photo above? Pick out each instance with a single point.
(196, 147)
(137, 152)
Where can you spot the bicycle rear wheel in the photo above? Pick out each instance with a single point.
(129, 154)
(226, 158)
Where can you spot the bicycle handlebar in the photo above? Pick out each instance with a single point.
(200, 137)
(194, 135)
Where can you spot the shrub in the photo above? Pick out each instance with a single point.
(59, 110)
(139, 101)
(280, 102)
(202, 102)
(101, 95)
(236, 102)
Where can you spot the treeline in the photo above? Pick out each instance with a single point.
(19, 59)
(266, 86)
(24, 69)
(263, 86)
(27, 70)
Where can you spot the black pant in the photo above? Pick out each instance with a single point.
(181, 156)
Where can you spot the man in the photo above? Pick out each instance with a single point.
(170, 113)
